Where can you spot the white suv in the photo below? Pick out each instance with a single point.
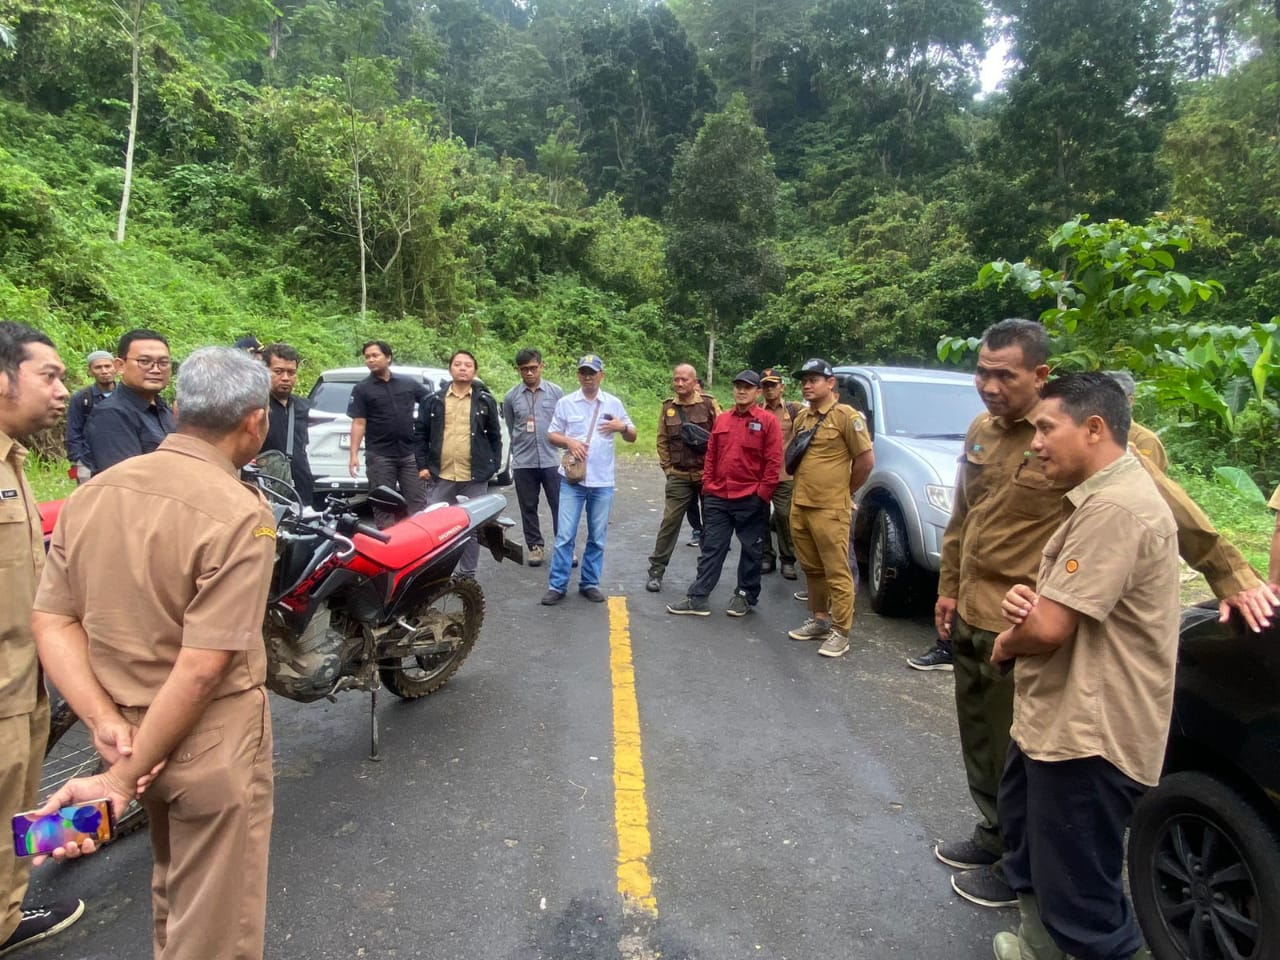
(329, 429)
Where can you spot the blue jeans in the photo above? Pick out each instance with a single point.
(574, 497)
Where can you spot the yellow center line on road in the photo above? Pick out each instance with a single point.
(631, 812)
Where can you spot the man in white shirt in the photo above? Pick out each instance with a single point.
(585, 424)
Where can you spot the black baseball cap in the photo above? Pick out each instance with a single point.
(815, 365)
(748, 376)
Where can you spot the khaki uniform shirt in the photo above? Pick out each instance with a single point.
(785, 421)
(21, 559)
(164, 551)
(673, 456)
(1006, 509)
(1108, 690)
(822, 479)
(455, 446)
(1146, 443)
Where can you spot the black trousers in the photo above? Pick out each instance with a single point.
(693, 514)
(398, 473)
(748, 517)
(1064, 824)
(529, 482)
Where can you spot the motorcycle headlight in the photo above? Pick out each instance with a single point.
(940, 496)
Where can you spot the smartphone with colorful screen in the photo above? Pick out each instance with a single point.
(34, 834)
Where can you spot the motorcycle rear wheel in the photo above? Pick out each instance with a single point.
(70, 753)
(461, 602)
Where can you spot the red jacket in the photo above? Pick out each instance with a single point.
(744, 455)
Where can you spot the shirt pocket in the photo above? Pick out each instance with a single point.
(15, 534)
(1032, 495)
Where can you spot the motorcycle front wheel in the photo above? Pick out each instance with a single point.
(454, 610)
(70, 754)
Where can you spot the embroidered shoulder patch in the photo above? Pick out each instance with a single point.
(1072, 566)
(264, 532)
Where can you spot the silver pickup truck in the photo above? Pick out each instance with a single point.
(918, 420)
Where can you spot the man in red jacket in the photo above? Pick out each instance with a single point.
(744, 457)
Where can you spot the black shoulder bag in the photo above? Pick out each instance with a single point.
(799, 445)
(692, 435)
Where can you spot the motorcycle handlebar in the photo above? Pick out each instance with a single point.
(372, 532)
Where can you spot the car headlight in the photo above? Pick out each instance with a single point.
(940, 496)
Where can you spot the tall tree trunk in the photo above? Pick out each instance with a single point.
(131, 20)
(711, 355)
(359, 196)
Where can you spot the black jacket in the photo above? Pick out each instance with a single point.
(486, 433)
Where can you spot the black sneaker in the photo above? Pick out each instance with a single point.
(695, 538)
(552, 597)
(985, 886)
(964, 854)
(938, 658)
(38, 923)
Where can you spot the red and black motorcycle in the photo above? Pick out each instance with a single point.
(352, 607)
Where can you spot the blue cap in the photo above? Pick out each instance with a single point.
(590, 362)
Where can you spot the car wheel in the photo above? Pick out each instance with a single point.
(1204, 872)
(889, 573)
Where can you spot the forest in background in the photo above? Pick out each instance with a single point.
(772, 179)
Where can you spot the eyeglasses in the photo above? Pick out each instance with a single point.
(151, 363)
(530, 368)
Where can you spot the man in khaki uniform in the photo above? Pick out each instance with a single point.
(771, 383)
(837, 463)
(1273, 567)
(32, 397)
(165, 561)
(1094, 650)
(1006, 507)
(681, 463)
(1142, 440)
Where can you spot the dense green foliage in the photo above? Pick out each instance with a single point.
(794, 177)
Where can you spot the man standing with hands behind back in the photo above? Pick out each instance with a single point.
(32, 398)
(382, 410)
(165, 561)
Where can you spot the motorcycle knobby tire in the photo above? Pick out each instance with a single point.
(414, 677)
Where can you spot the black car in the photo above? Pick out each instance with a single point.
(1204, 845)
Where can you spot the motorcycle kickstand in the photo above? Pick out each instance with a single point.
(373, 725)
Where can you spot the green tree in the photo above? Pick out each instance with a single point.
(1085, 111)
(720, 221)
(642, 93)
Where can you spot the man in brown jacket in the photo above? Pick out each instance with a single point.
(680, 461)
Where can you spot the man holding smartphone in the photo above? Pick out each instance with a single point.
(165, 561)
(32, 397)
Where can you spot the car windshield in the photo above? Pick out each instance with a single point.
(929, 409)
(331, 396)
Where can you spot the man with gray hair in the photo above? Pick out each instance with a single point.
(1142, 440)
(102, 367)
(165, 560)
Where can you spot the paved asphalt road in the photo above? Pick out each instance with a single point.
(793, 801)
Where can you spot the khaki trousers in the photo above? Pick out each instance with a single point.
(821, 536)
(210, 815)
(22, 742)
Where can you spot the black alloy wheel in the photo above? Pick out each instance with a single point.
(1204, 870)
